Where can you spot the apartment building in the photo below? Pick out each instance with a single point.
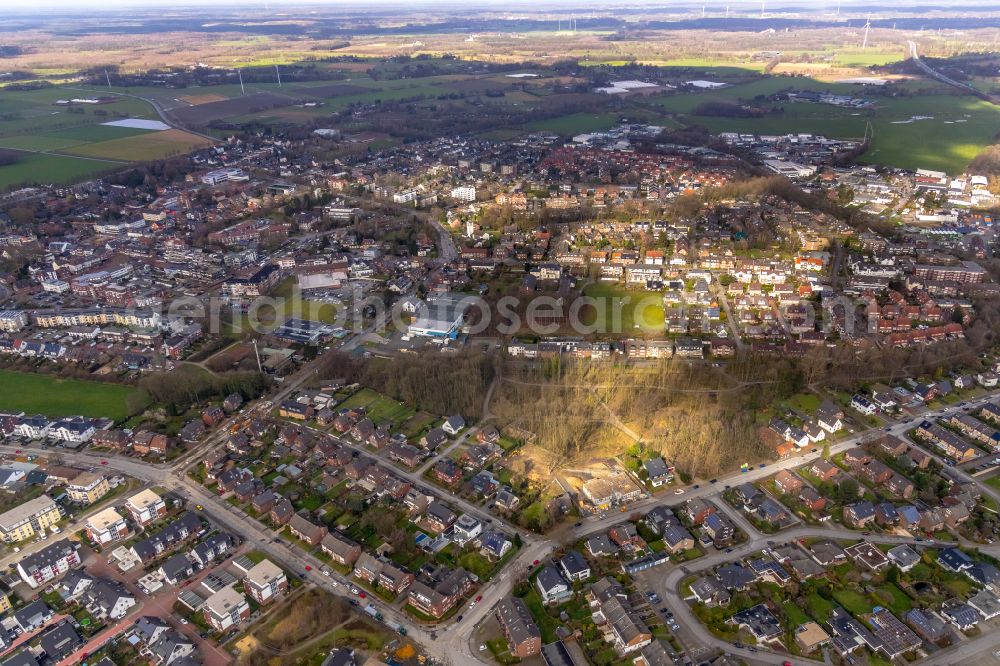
(265, 582)
(87, 488)
(51, 562)
(106, 526)
(145, 507)
(226, 608)
(27, 520)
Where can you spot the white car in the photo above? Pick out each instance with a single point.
(482, 648)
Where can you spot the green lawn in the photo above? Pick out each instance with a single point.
(818, 606)
(30, 121)
(804, 402)
(957, 128)
(39, 394)
(44, 169)
(901, 602)
(380, 408)
(855, 602)
(795, 614)
(575, 123)
(620, 310)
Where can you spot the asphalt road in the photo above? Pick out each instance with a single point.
(449, 642)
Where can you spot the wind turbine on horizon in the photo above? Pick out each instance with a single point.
(868, 26)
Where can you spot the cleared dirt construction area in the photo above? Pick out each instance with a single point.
(152, 146)
(202, 114)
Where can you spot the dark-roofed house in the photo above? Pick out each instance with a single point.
(32, 615)
(552, 586)
(927, 624)
(960, 614)
(306, 531)
(49, 563)
(108, 599)
(176, 569)
(437, 596)
(340, 548)
(214, 547)
(439, 517)
(658, 471)
(171, 647)
(954, 560)
(149, 627)
(171, 536)
(600, 545)
(893, 637)
(281, 512)
(735, 577)
(574, 566)
(709, 591)
(612, 610)
(760, 622)
(519, 628)
(903, 556)
(859, 514)
(60, 642)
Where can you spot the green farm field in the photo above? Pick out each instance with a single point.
(955, 130)
(40, 394)
(575, 123)
(151, 146)
(45, 168)
(60, 147)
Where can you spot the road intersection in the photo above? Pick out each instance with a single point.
(449, 642)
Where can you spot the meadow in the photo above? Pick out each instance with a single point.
(45, 168)
(41, 394)
(956, 129)
(59, 146)
(150, 146)
(575, 123)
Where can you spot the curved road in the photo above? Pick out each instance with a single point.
(449, 642)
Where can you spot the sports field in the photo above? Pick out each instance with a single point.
(620, 310)
(40, 394)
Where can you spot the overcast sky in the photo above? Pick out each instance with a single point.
(735, 5)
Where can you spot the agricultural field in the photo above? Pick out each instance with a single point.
(40, 394)
(575, 123)
(51, 168)
(147, 146)
(924, 131)
(60, 144)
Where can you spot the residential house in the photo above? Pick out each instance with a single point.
(341, 549)
(519, 628)
(552, 587)
(304, 530)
